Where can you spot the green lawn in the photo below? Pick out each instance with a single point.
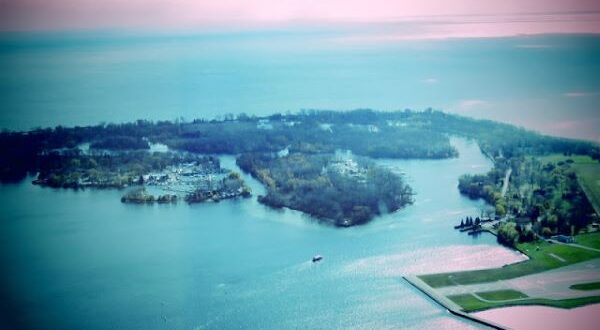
(500, 295)
(591, 240)
(586, 286)
(540, 260)
(577, 159)
(470, 303)
(588, 176)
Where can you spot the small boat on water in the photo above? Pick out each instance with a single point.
(317, 258)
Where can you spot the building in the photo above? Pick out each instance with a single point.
(264, 124)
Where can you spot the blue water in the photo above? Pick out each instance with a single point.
(83, 260)
(88, 78)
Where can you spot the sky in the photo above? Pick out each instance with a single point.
(525, 16)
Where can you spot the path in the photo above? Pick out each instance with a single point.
(497, 301)
(557, 257)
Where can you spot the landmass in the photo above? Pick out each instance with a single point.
(545, 196)
(141, 195)
(556, 274)
(296, 157)
(173, 175)
(339, 189)
(545, 206)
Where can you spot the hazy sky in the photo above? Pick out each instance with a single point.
(524, 16)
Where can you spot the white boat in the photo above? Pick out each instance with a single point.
(317, 258)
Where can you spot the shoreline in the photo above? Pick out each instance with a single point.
(449, 305)
(501, 319)
(520, 317)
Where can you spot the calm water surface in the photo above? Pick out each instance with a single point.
(83, 260)
(87, 78)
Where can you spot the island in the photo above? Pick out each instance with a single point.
(173, 176)
(141, 195)
(339, 189)
(315, 161)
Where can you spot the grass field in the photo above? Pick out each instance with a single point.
(578, 159)
(592, 240)
(540, 260)
(470, 303)
(588, 174)
(586, 286)
(500, 295)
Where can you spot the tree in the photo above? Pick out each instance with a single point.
(546, 232)
(500, 210)
(75, 163)
(507, 234)
(527, 236)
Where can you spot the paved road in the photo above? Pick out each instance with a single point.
(553, 284)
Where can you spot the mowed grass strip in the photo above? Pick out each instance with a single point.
(590, 240)
(540, 260)
(470, 303)
(500, 295)
(586, 286)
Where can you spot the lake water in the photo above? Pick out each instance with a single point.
(548, 83)
(83, 260)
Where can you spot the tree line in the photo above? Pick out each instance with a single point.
(399, 134)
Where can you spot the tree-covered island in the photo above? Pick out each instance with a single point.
(341, 190)
(116, 169)
(172, 175)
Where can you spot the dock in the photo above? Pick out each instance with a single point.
(448, 304)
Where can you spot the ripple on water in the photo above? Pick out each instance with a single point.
(435, 260)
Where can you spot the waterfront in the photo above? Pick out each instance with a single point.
(82, 259)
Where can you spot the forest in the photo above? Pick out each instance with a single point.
(399, 134)
(110, 170)
(544, 198)
(343, 192)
